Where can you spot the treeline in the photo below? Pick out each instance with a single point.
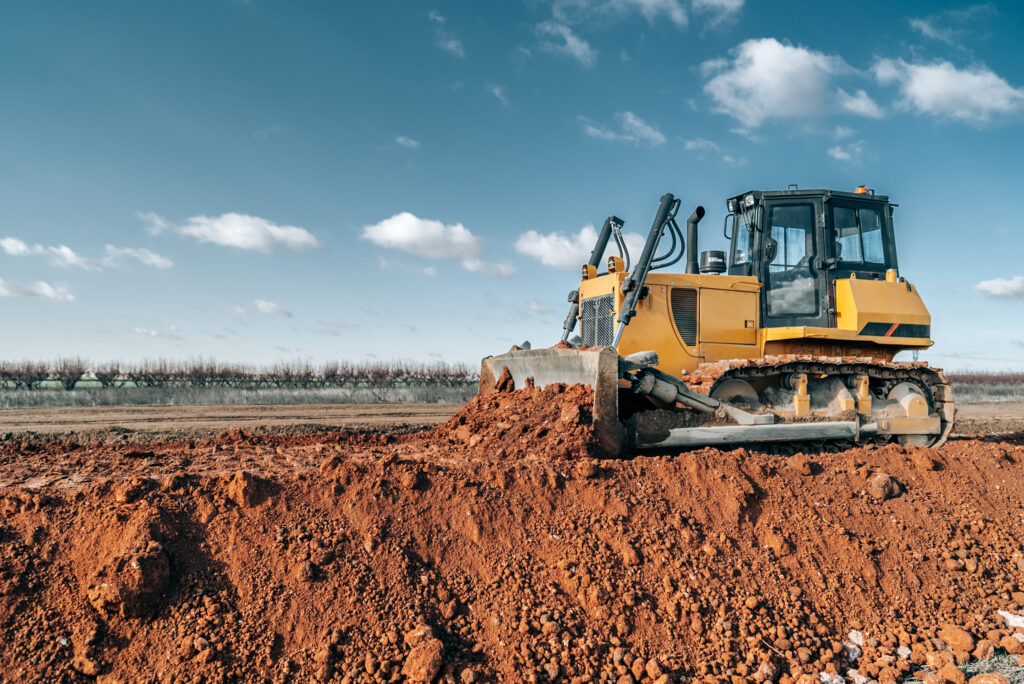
(72, 373)
(985, 378)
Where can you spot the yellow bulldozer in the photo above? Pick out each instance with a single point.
(790, 337)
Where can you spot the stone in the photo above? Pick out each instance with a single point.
(956, 638)
(424, 662)
(989, 678)
(653, 668)
(246, 490)
(1011, 645)
(884, 486)
(552, 670)
(418, 634)
(776, 543)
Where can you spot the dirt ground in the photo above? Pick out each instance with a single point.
(502, 545)
(109, 423)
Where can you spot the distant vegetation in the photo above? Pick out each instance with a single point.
(74, 381)
(977, 387)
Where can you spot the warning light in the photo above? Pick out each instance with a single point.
(861, 190)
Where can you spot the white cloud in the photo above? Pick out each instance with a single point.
(651, 10)
(720, 10)
(242, 231)
(270, 308)
(631, 129)
(951, 25)
(701, 144)
(539, 308)
(860, 103)
(407, 142)
(929, 29)
(443, 38)
(115, 256)
(940, 89)
(570, 251)
(1003, 288)
(766, 79)
(171, 334)
(498, 92)
(432, 239)
(40, 288)
(62, 255)
(843, 132)
(571, 45)
(853, 152)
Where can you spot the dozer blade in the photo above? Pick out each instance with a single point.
(598, 368)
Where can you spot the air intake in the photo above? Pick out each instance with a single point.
(597, 326)
(684, 313)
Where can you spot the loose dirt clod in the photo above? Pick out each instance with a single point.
(498, 548)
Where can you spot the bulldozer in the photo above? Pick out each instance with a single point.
(787, 338)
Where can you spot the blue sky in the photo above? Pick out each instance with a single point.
(255, 181)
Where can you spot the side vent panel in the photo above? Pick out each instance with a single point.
(684, 313)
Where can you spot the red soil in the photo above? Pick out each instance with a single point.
(515, 557)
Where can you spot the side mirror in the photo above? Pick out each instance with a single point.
(771, 250)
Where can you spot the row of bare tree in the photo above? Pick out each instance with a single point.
(69, 372)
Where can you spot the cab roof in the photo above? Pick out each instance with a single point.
(801, 192)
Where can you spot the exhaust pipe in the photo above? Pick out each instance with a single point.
(691, 240)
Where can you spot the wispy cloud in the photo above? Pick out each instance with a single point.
(406, 142)
(719, 10)
(116, 256)
(40, 288)
(63, 256)
(651, 10)
(498, 92)
(241, 231)
(852, 152)
(1002, 288)
(170, 334)
(631, 129)
(952, 25)
(271, 309)
(539, 307)
(570, 44)
(443, 38)
(973, 94)
(433, 239)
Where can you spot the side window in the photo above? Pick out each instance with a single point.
(742, 245)
(791, 286)
(858, 236)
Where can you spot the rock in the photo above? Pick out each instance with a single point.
(884, 486)
(468, 676)
(132, 584)
(551, 668)
(653, 668)
(952, 673)
(776, 543)
(830, 678)
(306, 572)
(410, 478)
(984, 650)
(625, 679)
(424, 662)
(418, 635)
(246, 490)
(989, 678)
(956, 638)
(617, 655)
(801, 465)
(201, 643)
(1011, 645)
(638, 669)
(586, 469)
(933, 678)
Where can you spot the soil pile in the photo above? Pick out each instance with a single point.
(367, 558)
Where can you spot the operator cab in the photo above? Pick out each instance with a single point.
(797, 243)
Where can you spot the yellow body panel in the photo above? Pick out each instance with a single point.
(727, 320)
(859, 302)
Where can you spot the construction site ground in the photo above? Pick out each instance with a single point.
(493, 542)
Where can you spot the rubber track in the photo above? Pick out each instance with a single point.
(709, 374)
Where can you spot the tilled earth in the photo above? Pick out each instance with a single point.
(501, 547)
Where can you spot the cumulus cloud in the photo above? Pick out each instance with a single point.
(432, 239)
(1002, 288)
(241, 231)
(270, 308)
(765, 79)
(860, 103)
(407, 142)
(40, 288)
(570, 44)
(569, 251)
(940, 89)
(443, 38)
(631, 129)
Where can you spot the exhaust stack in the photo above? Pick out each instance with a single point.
(691, 240)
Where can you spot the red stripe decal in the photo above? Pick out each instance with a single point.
(892, 330)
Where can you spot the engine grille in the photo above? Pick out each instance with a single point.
(684, 312)
(597, 327)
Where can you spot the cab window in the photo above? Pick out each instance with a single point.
(790, 284)
(857, 234)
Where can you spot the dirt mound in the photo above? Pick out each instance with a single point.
(550, 423)
(519, 557)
